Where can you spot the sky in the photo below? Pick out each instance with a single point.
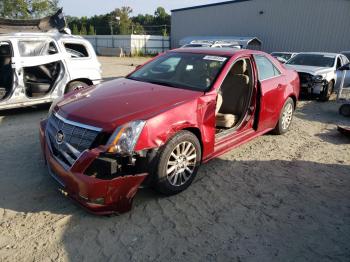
(97, 7)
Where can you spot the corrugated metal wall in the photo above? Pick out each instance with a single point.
(284, 25)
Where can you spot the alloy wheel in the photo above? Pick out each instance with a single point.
(287, 116)
(181, 163)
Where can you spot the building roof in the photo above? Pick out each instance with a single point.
(209, 5)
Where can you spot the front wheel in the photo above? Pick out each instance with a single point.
(286, 117)
(327, 92)
(177, 163)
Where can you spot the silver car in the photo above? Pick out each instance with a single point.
(318, 72)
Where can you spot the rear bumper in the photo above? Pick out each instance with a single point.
(96, 195)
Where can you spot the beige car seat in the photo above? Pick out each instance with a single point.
(234, 93)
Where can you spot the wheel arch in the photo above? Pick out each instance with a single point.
(84, 80)
(295, 100)
(196, 131)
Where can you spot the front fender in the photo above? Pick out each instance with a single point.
(196, 114)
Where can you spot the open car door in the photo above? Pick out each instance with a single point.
(39, 66)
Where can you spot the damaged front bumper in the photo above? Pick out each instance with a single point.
(311, 85)
(98, 195)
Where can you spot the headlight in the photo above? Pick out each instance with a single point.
(317, 78)
(124, 138)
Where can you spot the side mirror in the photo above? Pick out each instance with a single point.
(344, 67)
(138, 66)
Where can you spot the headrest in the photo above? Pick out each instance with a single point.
(239, 68)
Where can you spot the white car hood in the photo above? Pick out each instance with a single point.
(313, 70)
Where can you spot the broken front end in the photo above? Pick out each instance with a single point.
(103, 179)
(312, 84)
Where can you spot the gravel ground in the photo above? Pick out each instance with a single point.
(277, 198)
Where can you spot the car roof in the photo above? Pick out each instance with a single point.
(317, 53)
(216, 51)
(54, 35)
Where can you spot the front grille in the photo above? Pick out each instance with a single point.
(75, 138)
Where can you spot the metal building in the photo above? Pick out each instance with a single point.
(281, 25)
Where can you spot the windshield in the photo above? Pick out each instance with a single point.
(182, 70)
(313, 60)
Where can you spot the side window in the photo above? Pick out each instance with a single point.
(266, 69)
(339, 63)
(76, 50)
(36, 48)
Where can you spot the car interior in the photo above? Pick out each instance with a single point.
(6, 71)
(234, 96)
(39, 80)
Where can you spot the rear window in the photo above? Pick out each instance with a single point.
(76, 50)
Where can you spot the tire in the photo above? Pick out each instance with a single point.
(76, 85)
(180, 176)
(286, 114)
(327, 92)
(344, 110)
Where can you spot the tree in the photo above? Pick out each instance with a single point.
(124, 22)
(27, 9)
(91, 30)
(138, 29)
(161, 16)
(83, 30)
(157, 23)
(75, 30)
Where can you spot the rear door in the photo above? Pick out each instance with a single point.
(272, 85)
(35, 52)
(81, 60)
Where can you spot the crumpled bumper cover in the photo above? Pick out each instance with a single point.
(117, 194)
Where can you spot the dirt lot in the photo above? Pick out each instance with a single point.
(277, 198)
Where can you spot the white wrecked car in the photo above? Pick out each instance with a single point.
(37, 68)
(317, 72)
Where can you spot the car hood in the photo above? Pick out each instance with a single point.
(116, 102)
(313, 70)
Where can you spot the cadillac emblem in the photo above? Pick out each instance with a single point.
(59, 137)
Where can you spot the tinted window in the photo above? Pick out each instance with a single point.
(76, 50)
(266, 69)
(313, 60)
(183, 70)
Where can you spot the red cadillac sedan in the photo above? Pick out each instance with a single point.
(157, 125)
